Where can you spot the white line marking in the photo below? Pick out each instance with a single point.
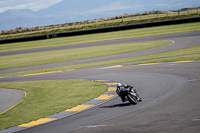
(195, 119)
(172, 42)
(194, 80)
(94, 126)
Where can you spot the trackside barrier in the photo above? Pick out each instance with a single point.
(101, 30)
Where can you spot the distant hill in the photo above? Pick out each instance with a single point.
(17, 18)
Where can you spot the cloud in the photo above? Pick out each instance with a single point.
(34, 5)
(13, 7)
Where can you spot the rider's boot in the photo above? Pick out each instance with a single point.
(139, 99)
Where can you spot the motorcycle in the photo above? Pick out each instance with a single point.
(126, 92)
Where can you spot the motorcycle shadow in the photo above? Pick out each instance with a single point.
(118, 105)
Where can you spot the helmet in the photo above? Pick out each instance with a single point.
(119, 84)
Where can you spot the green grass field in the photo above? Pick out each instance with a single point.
(32, 59)
(192, 53)
(48, 97)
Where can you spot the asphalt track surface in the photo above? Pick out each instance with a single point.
(9, 97)
(170, 93)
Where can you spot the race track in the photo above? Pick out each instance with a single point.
(170, 93)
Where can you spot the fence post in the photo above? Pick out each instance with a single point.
(157, 15)
(132, 17)
(149, 18)
(178, 12)
(2, 32)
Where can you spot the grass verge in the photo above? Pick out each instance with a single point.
(132, 33)
(171, 59)
(33, 59)
(48, 97)
(192, 53)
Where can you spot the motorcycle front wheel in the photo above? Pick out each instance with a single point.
(132, 99)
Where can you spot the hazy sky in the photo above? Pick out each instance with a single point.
(36, 5)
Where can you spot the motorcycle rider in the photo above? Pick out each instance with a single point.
(126, 87)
